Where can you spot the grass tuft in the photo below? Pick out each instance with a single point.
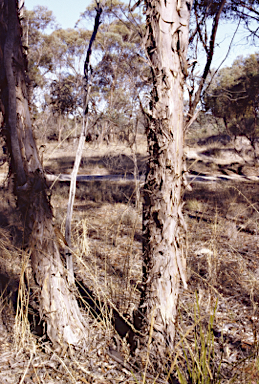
(200, 359)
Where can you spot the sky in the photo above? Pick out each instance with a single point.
(239, 46)
(67, 12)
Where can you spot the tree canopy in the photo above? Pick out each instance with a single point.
(234, 96)
(120, 71)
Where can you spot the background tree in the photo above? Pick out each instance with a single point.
(202, 38)
(37, 43)
(121, 74)
(121, 71)
(55, 61)
(233, 96)
(205, 18)
(63, 99)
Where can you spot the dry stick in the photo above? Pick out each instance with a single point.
(133, 148)
(26, 369)
(72, 191)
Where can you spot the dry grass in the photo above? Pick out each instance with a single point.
(223, 269)
(97, 159)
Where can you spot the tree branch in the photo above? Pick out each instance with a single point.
(209, 58)
(97, 22)
(222, 62)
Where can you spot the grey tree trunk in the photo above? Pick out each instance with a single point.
(58, 306)
(166, 43)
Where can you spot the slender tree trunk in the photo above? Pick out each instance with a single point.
(164, 228)
(133, 147)
(58, 306)
(60, 127)
(72, 190)
(72, 193)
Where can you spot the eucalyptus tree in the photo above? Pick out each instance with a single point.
(121, 73)
(247, 12)
(58, 306)
(166, 44)
(65, 92)
(171, 27)
(55, 61)
(36, 42)
(205, 19)
(63, 99)
(73, 44)
(233, 95)
(166, 40)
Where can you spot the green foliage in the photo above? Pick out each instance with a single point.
(69, 49)
(37, 43)
(233, 96)
(121, 73)
(245, 11)
(52, 54)
(205, 125)
(63, 99)
(200, 359)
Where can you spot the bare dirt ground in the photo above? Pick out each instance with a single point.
(218, 314)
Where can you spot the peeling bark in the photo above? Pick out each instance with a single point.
(166, 43)
(58, 306)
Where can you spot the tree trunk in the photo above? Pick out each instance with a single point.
(164, 228)
(72, 190)
(60, 127)
(58, 306)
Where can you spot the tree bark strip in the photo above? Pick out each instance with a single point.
(58, 306)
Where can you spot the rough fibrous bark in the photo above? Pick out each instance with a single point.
(163, 223)
(58, 306)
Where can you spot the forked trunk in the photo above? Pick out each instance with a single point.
(163, 223)
(58, 307)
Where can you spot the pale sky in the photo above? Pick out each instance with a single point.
(239, 47)
(67, 12)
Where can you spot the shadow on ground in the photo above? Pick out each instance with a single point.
(99, 192)
(112, 164)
